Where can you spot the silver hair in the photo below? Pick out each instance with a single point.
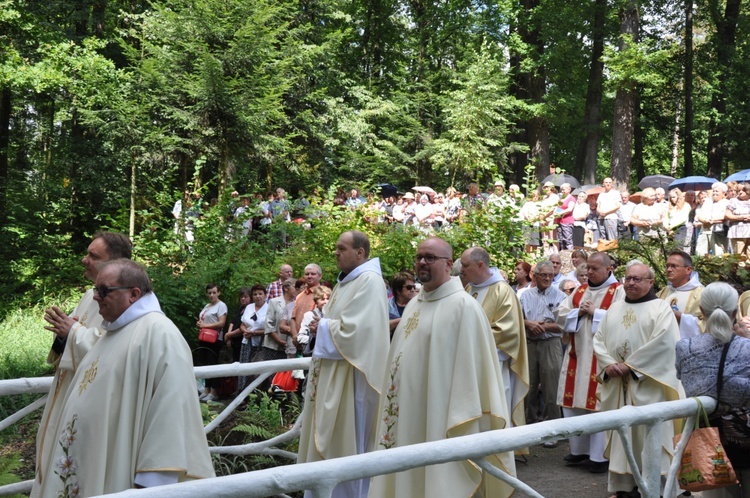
(314, 267)
(719, 305)
(545, 262)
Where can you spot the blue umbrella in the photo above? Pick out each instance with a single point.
(740, 176)
(693, 183)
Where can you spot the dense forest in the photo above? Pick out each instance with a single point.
(110, 109)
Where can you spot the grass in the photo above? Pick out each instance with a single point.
(24, 345)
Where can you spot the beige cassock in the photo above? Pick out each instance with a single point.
(443, 381)
(341, 391)
(131, 408)
(692, 307)
(81, 338)
(505, 314)
(643, 336)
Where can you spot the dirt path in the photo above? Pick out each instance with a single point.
(547, 473)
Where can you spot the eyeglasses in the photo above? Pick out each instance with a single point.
(410, 287)
(545, 275)
(103, 291)
(635, 280)
(428, 258)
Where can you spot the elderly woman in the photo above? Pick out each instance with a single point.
(581, 212)
(530, 213)
(253, 329)
(404, 290)
(738, 214)
(712, 215)
(577, 258)
(676, 217)
(547, 207)
(277, 341)
(698, 361)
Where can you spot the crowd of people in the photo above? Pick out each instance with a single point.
(448, 349)
(713, 221)
(567, 344)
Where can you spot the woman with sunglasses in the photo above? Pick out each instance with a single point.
(404, 290)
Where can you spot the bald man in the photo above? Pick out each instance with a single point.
(455, 390)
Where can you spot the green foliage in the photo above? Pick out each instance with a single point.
(25, 345)
(263, 418)
(8, 466)
(478, 120)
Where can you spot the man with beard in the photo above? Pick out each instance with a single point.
(579, 316)
(635, 353)
(443, 381)
(348, 363)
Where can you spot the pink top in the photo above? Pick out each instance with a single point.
(568, 203)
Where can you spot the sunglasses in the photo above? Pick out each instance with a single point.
(103, 291)
(410, 287)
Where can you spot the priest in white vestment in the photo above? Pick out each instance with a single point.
(443, 381)
(75, 335)
(683, 294)
(635, 351)
(348, 363)
(131, 418)
(579, 316)
(503, 310)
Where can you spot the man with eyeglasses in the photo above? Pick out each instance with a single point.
(348, 363)
(75, 335)
(443, 381)
(132, 418)
(683, 294)
(543, 343)
(503, 310)
(635, 353)
(579, 317)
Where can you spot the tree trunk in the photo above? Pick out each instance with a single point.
(133, 173)
(676, 141)
(5, 103)
(531, 85)
(640, 170)
(624, 116)
(589, 147)
(518, 160)
(687, 141)
(726, 30)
